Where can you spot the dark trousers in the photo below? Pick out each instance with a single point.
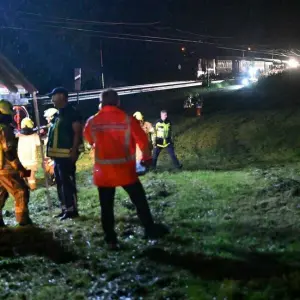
(13, 184)
(137, 195)
(64, 172)
(171, 151)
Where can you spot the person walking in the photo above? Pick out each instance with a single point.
(115, 135)
(12, 173)
(163, 133)
(63, 146)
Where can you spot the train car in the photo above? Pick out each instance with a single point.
(226, 67)
(206, 66)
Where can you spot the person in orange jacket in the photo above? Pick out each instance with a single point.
(115, 135)
(149, 130)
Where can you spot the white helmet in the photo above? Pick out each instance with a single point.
(49, 113)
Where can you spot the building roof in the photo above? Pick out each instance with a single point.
(12, 78)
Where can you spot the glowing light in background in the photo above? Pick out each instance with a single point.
(245, 82)
(252, 72)
(293, 63)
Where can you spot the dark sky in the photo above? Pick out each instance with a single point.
(47, 52)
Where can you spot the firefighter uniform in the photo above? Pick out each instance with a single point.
(163, 133)
(115, 136)
(11, 169)
(49, 115)
(27, 149)
(60, 142)
(148, 129)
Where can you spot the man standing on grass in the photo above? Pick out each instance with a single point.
(64, 143)
(163, 133)
(115, 135)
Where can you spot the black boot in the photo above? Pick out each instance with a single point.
(60, 215)
(156, 231)
(69, 215)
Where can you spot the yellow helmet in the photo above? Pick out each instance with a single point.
(49, 113)
(27, 122)
(138, 115)
(6, 108)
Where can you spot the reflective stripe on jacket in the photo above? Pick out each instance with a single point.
(61, 135)
(114, 135)
(8, 143)
(163, 131)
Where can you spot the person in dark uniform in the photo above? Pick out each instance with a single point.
(64, 145)
(12, 173)
(163, 133)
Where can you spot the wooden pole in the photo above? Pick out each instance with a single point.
(102, 70)
(37, 117)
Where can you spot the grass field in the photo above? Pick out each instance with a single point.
(233, 212)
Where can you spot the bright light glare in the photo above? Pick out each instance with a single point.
(245, 81)
(293, 63)
(252, 71)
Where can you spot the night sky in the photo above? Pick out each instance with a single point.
(41, 39)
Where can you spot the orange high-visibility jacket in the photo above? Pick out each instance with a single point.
(115, 135)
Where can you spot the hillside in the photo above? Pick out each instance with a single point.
(233, 213)
(241, 139)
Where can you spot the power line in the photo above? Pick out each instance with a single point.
(203, 35)
(135, 37)
(128, 24)
(142, 38)
(158, 38)
(124, 34)
(100, 36)
(81, 20)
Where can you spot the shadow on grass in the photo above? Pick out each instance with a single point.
(15, 242)
(237, 165)
(248, 266)
(239, 230)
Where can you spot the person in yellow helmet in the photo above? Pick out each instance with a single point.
(27, 149)
(149, 130)
(146, 126)
(12, 172)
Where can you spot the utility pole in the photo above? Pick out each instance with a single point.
(102, 70)
(207, 73)
(77, 80)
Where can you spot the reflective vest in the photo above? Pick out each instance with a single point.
(8, 141)
(61, 135)
(1, 147)
(114, 135)
(163, 133)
